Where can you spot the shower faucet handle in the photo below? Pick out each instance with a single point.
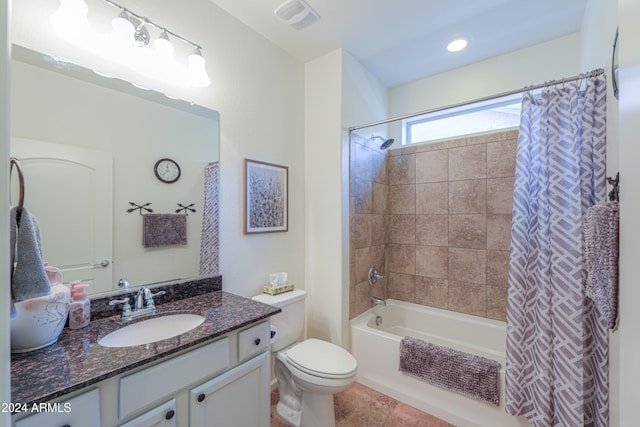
(374, 276)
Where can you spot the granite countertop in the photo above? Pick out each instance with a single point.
(77, 360)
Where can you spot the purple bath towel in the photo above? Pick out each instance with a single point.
(463, 373)
(164, 230)
(600, 235)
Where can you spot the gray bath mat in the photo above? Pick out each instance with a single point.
(463, 373)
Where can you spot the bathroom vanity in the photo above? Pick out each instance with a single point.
(215, 374)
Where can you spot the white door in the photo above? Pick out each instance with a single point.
(70, 192)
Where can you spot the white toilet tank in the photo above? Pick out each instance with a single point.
(289, 323)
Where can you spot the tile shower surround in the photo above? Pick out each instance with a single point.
(435, 219)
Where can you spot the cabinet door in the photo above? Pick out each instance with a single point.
(238, 398)
(162, 416)
(80, 411)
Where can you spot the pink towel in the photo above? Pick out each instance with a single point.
(600, 235)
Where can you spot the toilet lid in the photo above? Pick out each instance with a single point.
(321, 358)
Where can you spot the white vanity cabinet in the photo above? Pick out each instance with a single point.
(82, 410)
(224, 382)
(162, 416)
(239, 397)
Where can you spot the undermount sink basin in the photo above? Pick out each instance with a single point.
(151, 330)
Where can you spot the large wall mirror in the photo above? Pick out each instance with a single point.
(88, 145)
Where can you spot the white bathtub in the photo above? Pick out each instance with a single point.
(376, 348)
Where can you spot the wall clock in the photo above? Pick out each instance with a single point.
(167, 170)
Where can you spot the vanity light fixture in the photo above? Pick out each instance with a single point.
(457, 45)
(128, 44)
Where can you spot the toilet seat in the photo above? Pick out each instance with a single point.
(322, 359)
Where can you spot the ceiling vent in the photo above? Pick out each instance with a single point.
(297, 13)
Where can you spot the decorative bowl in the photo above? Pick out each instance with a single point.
(39, 321)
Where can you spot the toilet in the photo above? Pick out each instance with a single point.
(309, 372)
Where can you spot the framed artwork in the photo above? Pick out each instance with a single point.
(266, 197)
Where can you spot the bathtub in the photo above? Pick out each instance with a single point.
(376, 348)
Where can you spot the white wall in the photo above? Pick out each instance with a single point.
(543, 62)
(258, 90)
(5, 360)
(629, 16)
(323, 194)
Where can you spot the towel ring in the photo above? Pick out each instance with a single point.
(14, 162)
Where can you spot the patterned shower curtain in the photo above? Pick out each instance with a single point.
(557, 343)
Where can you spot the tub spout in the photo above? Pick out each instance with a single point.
(378, 301)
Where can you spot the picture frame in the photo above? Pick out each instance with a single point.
(266, 197)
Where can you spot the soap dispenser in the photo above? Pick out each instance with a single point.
(80, 309)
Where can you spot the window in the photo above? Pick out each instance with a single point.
(485, 116)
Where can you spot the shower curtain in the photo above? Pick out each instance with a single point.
(557, 343)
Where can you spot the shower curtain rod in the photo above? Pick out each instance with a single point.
(592, 73)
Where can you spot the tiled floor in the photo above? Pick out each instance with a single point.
(360, 406)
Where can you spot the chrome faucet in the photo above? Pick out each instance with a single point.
(373, 278)
(143, 305)
(378, 301)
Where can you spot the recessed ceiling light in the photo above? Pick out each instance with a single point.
(457, 45)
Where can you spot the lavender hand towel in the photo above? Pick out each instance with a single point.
(164, 230)
(463, 373)
(601, 250)
(28, 279)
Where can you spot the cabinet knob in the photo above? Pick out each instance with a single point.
(66, 425)
(257, 341)
(201, 397)
(170, 413)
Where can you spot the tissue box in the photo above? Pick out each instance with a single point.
(275, 290)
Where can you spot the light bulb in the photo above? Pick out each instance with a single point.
(197, 70)
(163, 45)
(70, 20)
(123, 29)
(457, 45)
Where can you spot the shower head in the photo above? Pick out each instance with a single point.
(386, 143)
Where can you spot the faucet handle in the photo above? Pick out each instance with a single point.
(126, 307)
(124, 301)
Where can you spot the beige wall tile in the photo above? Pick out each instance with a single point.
(363, 262)
(468, 231)
(497, 302)
(401, 229)
(379, 198)
(401, 259)
(379, 167)
(378, 259)
(468, 265)
(501, 158)
(468, 197)
(498, 268)
(468, 162)
(378, 230)
(432, 166)
(363, 301)
(500, 195)
(363, 169)
(402, 199)
(432, 261)
(402, 287)
(432, 292)
(363, 197)
(363, 230)
(498, 231)
(432, 230)
(402, 170)
(468, 298)
(432, 198)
